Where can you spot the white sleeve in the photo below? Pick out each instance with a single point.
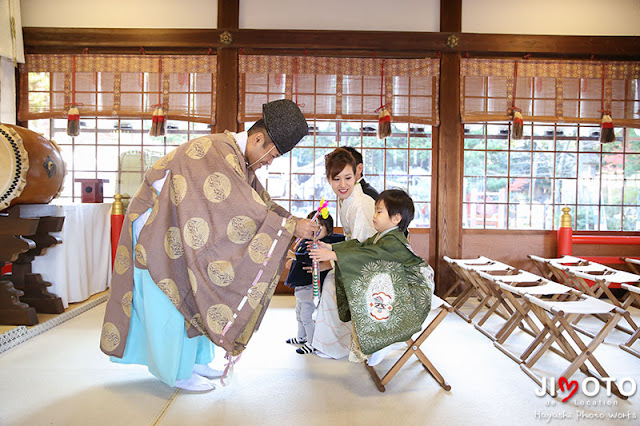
(362, 221)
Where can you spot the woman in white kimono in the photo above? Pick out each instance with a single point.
(332, 337)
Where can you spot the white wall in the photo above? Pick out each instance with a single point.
(557, 17)
(120, 13)
(357, 15)
(562, 17)
(7, 91)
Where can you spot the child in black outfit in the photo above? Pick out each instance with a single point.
(300, 279)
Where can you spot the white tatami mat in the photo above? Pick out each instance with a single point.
(60, 377)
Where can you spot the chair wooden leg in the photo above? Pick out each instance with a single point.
(375, 377)
(413, 349)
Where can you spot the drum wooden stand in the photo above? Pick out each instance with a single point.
(24, 234)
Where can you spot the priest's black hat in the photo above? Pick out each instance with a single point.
(285, 124)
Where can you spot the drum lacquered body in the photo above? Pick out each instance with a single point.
(31, 167)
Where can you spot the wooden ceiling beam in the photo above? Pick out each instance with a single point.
(39, 39)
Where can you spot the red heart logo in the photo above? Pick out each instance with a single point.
(572, 386)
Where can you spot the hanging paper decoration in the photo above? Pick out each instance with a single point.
(384, 124)
(158, 122)
(517, 123)
(607, 134)
(73, 114)
(73, 121)
(384, 116)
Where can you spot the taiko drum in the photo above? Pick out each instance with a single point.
(31, 167)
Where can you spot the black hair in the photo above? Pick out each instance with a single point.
(259, 126)
(356, 154)
(396, 201)
(327, 223)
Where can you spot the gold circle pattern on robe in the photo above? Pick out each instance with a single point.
(196, 232)
(169, 287)
(290, 224)
(110, 337)
(221, 272)
(257, 291)
(199, 148)
(218, 316)
(196, 321)
(241, 229)
(173, 243)
(235, 164)
(122, 261)
(178, 189)
(192, 280)
(217, 187)
(259, 247)
(162, 163)
(141, 254)
(126, 302)
(257, 198)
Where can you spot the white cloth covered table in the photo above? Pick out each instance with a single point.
(80, 266)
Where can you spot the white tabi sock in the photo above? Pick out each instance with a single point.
(195, 383)
(206, 371)
(378, 356)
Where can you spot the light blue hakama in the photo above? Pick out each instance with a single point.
(158, 336)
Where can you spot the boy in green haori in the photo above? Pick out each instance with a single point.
(381, 285)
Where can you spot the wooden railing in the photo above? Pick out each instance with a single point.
(117, 219)
(566, 240)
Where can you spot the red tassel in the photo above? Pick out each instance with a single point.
(607, 134)
(158, 123)
(384, 124)
(517, 126)
(73, 121)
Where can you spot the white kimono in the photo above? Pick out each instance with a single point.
(332, 337)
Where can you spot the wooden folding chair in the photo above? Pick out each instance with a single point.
(511, 288)
(465, 269)
(597, 280)
(441, 309)
(633, 295)
(556, 317)
(513, 292)
(542, 264)
(633, 264)
(497, 300)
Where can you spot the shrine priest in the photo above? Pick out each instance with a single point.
(200, 252)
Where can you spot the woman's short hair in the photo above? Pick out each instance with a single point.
(396, 201)
(337, 160)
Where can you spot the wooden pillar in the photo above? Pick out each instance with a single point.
(450, 158)
(227, 79)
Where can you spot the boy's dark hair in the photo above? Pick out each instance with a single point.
(356, 154)
(327, 223)
(337, 160)
(397, 201)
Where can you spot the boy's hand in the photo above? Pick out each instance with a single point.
(321, 254)
(321, 245)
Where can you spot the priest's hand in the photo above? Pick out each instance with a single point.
(305, 228)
